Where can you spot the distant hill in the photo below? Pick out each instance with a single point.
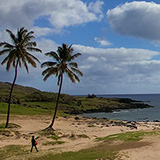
(5, 86)
(24, 93)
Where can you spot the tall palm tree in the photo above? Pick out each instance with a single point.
(62, 64)
(18, 54)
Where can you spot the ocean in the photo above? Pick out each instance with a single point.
(147, 114)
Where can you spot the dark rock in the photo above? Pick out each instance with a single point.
(156, 121)
(76, 118)
(79, 103)
(91, 96)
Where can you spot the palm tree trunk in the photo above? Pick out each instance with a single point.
(10, 95)
(55, 112)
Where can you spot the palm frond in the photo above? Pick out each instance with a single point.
(46, 71)
(32, 49)
(30, 60)
(21, 33)
(30, 44)
(27, 37)
(77, 71)
(32, 56)
(73, 64)
(30, 34)
(53, 55)
(73, 76)
(26, 66)
(46, 77)
(74, 56)
(70, 49)
(70, 75)
(22, 30)
(13, 37)
(50, 70)
(48, 64)
(6, 45)
(11, 59)
(65, 52)
(5, 60)
(2, 44)
(76, 77)
(4, 51)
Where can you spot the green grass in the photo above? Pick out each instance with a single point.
(53, 143)
(89, 154)
(9, 131)
(5, 132)
(12, 151)
(21, 110)
(50, 134)
(82, 136)
(10, 125)
(128, 136)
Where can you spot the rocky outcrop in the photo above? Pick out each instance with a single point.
(124, 103)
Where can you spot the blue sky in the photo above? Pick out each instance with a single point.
(119, 41)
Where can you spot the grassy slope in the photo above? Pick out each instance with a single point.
(33, 101)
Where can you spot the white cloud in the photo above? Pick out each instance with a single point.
(59, 13)
(105, 70)
(102, 41)
(96, 8)
(118, 69)
(137, 18)
(93, 59)
(42, 31)
(74, 13)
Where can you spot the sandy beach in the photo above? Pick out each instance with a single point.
(147, 149)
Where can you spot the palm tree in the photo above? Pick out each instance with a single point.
(63, 64)
(18, 54)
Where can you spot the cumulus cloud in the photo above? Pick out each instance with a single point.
(137, 18)
(96, 8)
(59, 13)
(116, 69)
(39, 31)
(105, 70)
(102, 41)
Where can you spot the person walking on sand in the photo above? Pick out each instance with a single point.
(34, 143)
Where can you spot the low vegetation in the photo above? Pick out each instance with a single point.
(13, 151)
(129, 136)
(53, 142)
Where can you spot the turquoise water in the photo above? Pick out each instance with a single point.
(147, 114)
